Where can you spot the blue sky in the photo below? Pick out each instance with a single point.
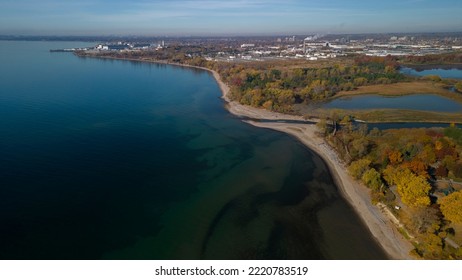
(221, 17)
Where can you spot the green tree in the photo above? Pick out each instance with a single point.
(451, 207)
(361, 81)
(390, 70)
(371, 178)
(458, 86)
(357, 168)
(324, 127)
(359, 147)
(454, 133)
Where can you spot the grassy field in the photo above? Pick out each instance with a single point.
(404, 88)
(408, 116)
(398, 115)
(392, 115)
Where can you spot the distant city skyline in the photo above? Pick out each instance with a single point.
(218, 17)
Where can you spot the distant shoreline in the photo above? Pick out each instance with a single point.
(357, 195)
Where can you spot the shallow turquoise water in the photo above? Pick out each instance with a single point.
(106, 159)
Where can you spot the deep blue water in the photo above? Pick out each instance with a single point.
(104, 159)
(423, 102)
(450, 73)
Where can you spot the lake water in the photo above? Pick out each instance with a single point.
(447, 72)
(422, 102)
(383, 126)
(104, 159)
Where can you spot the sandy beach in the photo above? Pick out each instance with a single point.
(246, 111)
(378, 221)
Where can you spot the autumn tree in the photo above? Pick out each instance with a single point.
(443, 147)
(451, 207)
(359, 147)
(324, 126)
(441, 171)
(390, 175)
(268, 105)
(395, 157)
(449, 162)
(359, 81)
(431, 247)
(427, 155)
(371, 178)
(357, 168)
(413, 189)
(418, 167)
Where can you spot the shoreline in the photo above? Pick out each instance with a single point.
(421, 67)
(381, 226)
(379, 223)
(232, 106)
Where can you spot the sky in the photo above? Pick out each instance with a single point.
(222, 17)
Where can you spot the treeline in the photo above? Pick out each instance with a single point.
(171, 55)
(405, 165)
(278, 86)
(446, 58)
(278, 89)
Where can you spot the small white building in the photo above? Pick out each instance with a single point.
(102, 47)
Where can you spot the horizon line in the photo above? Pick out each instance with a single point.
(227, 35)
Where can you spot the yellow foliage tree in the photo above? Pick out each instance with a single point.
(438, 145)
(268, 105)
(389, 174)
(412, 189)
(451, 207)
